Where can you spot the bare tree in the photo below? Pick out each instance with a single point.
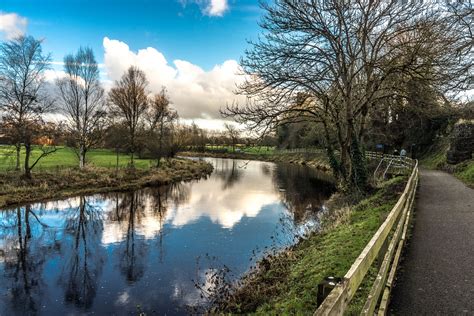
(331, 62)
(129, 101)
(22, 98)
(233, 133)
(181, 139)
(160, 118)
(198, 139)
(83, 101)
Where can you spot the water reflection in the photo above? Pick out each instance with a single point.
(23, 257)
(149, 248)
(82, 253)
(296, 184)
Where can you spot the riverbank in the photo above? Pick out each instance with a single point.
(51, 184)
(286, 283)
(314, 160)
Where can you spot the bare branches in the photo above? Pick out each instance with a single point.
(129, 101)
(83, 100)
(160, 118)
(331, 61)
(22, 100)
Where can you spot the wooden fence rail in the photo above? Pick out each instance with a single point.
(392, 232)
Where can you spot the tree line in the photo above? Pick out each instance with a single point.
(346, 74)
(129, 118)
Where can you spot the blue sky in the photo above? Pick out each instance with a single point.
(179, 29)
(191, 47)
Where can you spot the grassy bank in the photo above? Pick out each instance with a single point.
(465, 172)
(314, 160)
(58, 183)
(435, 158)
(287, 282)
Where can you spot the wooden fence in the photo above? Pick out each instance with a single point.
(393, 233)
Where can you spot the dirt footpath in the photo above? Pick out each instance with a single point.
(437, 273)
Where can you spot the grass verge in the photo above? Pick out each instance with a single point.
(286, 283)
(435, 158)
(14, 189)
(465, 172)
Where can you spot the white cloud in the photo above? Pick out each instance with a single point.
(210, 124)
(246, 198)
(217, 7)
(12, 25)
(209, 7)
(194, 92)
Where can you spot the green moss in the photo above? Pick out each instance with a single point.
(287, 283)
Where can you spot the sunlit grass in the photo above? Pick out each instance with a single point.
(65, 157)
(289, 283)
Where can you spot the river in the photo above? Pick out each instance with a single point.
(158, 250)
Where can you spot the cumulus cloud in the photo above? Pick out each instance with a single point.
(194, 92)
(217, 7)
(12, 25)
(210, 7)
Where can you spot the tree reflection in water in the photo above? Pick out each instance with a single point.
(23, 258)
(230, 175)
(303, 190)
(160, 200)
(133, 252)
(135, 212)
(63, 251)
(82, 253)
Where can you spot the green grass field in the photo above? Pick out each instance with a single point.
(65, 157)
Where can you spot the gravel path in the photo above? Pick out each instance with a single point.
(437, 273)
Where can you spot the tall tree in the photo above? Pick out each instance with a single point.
(129, 101)
(198, 137)
(331, 62)
(160, 118)
(22, 98)
(232, 133)
(83, 101)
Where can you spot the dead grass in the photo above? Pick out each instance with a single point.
(14, 189)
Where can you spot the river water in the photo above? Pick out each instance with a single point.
(156, 250)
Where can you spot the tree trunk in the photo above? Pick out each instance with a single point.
(27, 160)
(160, 149)
(132, 149)
(117, 156)
(82, 156)
(18, 150)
